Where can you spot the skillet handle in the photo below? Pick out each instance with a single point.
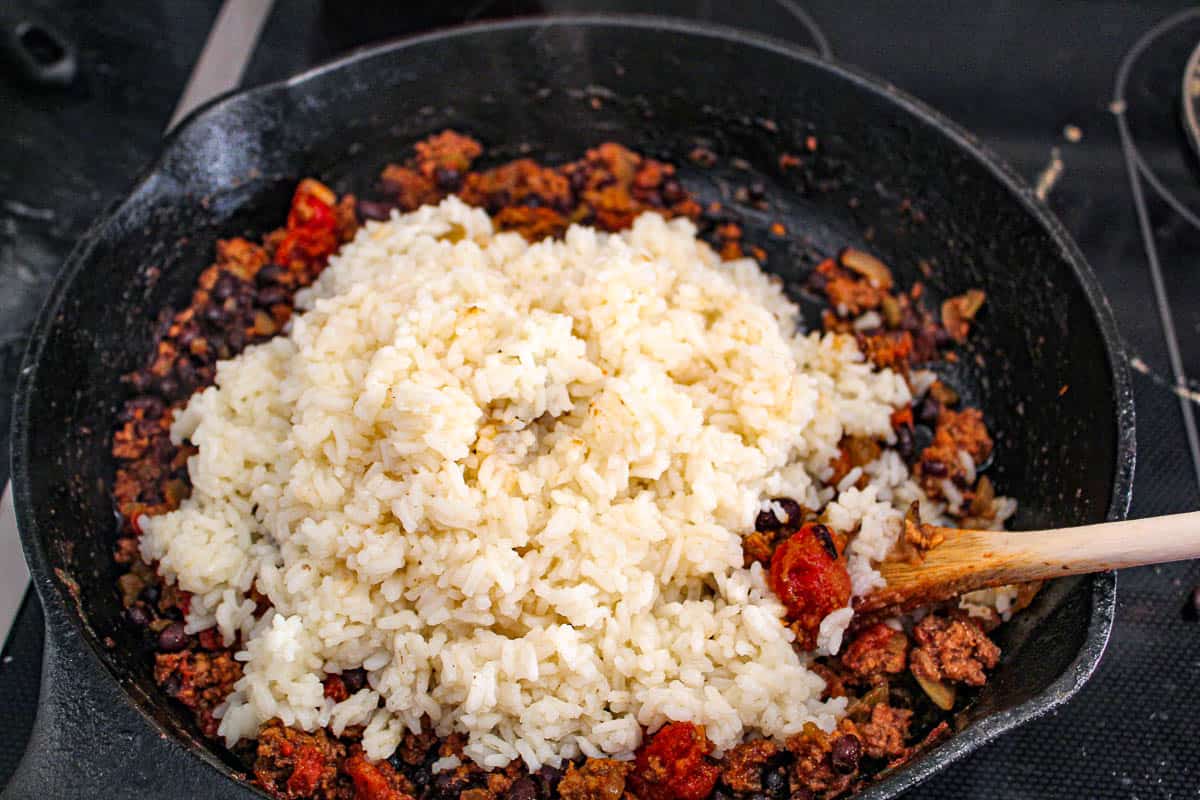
(89, 741)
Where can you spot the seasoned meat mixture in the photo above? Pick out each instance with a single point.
(246, 296)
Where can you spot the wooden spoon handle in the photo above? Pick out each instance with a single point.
(969, 560)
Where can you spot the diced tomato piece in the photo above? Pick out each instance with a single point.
(810, 578)
(370, 782)
(311, 227)
(306, 771)
(673, 765)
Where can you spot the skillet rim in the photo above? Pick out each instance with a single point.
(1103, 585)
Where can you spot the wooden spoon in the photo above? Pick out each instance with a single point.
(967, 560)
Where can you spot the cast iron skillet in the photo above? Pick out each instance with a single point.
(888, 174)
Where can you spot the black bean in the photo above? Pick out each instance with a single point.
(941, 337)
(791, 509)
(550, 777)
(904, 442)
(447, 178)
(444, 783)
(213, 314)
(272, 295)
(792, 515)
(927, 410)
(354, 679)
(703, 157)
(578, 180)
(522, 789)
(533, 201)
(187, 336)
(138, 615)
(150, 594)
(935, 468)
(225, 286)
(721, 794)
(420, 776)
(1191, 609)
(165, 318)
(141, 381)
(236, 339)
(775, 784)
(368, 209)
(672, 190)
(172, 638)
(653, 199)
(766, 521)
(757, 190)
(185, 370)
(151, 406)
(845, 755)
(817, 281)
(271, 273)
(172, 684)
(714, 215)
(169, 387)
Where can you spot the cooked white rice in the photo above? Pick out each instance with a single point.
(509, 481)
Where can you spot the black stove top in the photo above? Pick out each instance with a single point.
(1038, 84)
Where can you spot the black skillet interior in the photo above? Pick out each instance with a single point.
(886, 175)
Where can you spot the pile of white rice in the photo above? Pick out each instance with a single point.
(510, 480)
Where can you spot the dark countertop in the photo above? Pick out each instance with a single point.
(1015, 73)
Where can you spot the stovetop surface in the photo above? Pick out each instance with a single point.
(1025, 76)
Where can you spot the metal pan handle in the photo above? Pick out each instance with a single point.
(90, 741)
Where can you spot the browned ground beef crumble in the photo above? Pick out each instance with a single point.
(246, 296)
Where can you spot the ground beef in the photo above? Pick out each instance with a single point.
(952, 649)
(199, 680)
(887, 349)
(908, 335)
(835, 683)
(608, 188)
(885, 733)
(877, 652)
(956, 431)
(743, 765)
(415, 747)
(293, 764)
(597, 779)
(813, 769)
(758, 546)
